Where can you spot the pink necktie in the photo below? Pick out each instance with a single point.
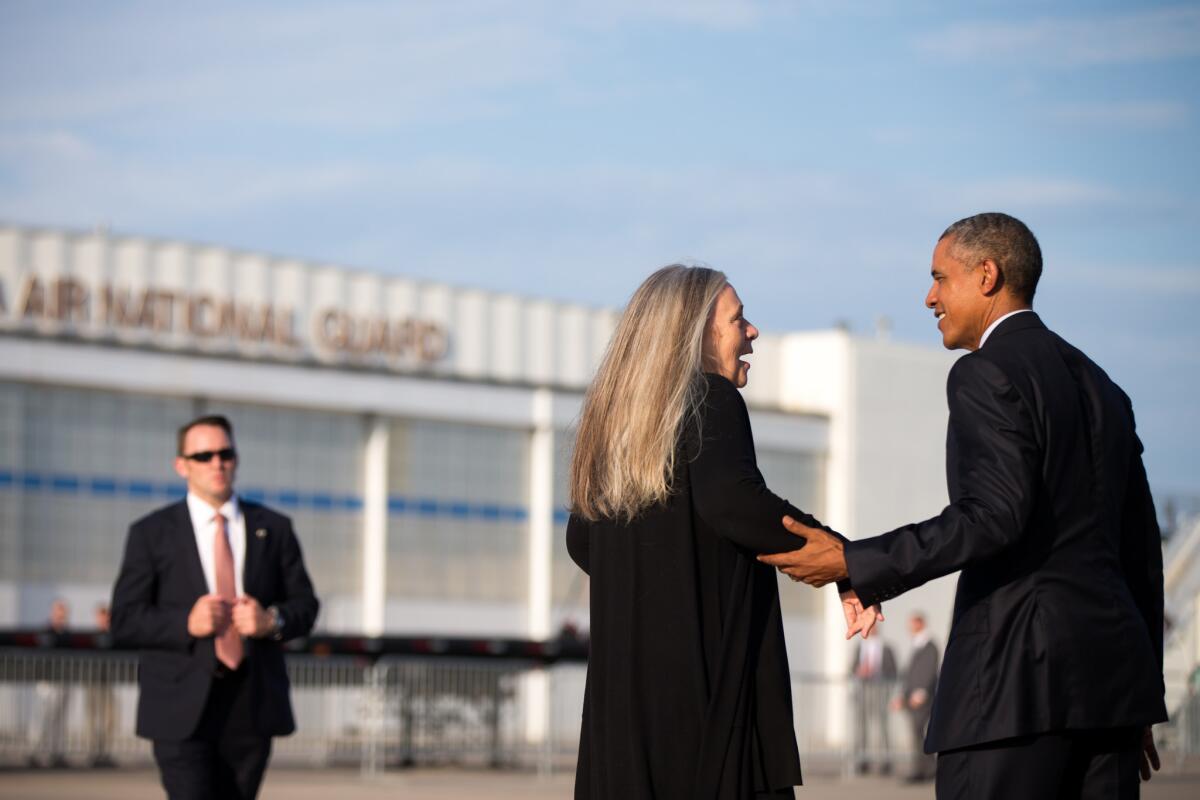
(229, 644)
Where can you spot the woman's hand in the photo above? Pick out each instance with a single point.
(859, 619)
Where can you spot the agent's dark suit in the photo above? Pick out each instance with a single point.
(1058, 619)
(922, 673)
(182, 692)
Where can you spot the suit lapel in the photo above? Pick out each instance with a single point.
(187, 547)
(256, 543)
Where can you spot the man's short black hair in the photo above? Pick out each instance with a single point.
(215, 420)
(1005, 240)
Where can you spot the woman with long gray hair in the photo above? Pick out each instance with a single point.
(688, 689)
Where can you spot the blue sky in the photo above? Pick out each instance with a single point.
(812, 150)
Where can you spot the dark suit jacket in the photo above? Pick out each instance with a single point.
(922, 673)
(1058, 619)
(887, 663)
(161, 579)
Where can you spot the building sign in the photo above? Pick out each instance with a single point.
(173, 318)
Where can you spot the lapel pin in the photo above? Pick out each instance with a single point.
(261, 533)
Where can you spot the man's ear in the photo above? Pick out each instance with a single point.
(180, 469)
(990, 277)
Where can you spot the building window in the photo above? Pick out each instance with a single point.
(76, 468)
(458, 514)
(309, 466)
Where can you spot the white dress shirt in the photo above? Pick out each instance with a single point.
(870, 655)
(992, 327)
(204, 519)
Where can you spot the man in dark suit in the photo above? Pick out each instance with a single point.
(873, 678)
(1053, 670)
(916, 695)
(209, 589)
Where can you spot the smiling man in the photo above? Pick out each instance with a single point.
(1052, 675)
(209, 589)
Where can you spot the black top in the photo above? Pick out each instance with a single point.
(1058, 619)
(688, 689)
(160, 580)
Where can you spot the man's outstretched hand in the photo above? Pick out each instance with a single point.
(859, 619)
(818, 562)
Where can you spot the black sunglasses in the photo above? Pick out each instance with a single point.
(204, 456)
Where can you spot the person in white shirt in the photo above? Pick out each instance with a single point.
(873, 675)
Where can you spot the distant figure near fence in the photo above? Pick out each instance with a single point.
(873, 678)
(53, 696)
(100, 697)
(209, 589)
(916, 696)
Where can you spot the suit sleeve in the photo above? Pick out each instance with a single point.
(729, 491)
(299, 604)
(995, 461)
(1141, 547)
(137, 618)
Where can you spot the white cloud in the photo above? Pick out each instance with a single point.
(1137, 114)
(1159, 35)
(51, 145)
(1162, 280)
(346, 65)
(1039, 192)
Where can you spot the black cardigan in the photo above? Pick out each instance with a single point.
(688, 689)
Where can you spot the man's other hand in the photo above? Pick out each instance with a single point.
(1149, 755)
(818, 562)
(208, 616)
(250, 618)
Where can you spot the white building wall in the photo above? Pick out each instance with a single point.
(490, 336)
(887, 414)
(899, 472)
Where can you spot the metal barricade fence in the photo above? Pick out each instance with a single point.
(78, 708)
(65, 707)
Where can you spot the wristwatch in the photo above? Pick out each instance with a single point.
(276, 623)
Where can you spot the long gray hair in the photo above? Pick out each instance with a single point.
(649, 385)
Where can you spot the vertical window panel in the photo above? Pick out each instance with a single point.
(458, 512)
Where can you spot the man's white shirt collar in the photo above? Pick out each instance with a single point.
(204, 525)
(992, 327)
(919, 640)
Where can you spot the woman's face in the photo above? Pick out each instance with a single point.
(728, 338)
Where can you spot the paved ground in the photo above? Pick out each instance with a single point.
(423, 784)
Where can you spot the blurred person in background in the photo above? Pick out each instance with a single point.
(99, 697)
(688, 688)
(916, 696)
(873, 678)
(53, 693)
(209, 589)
